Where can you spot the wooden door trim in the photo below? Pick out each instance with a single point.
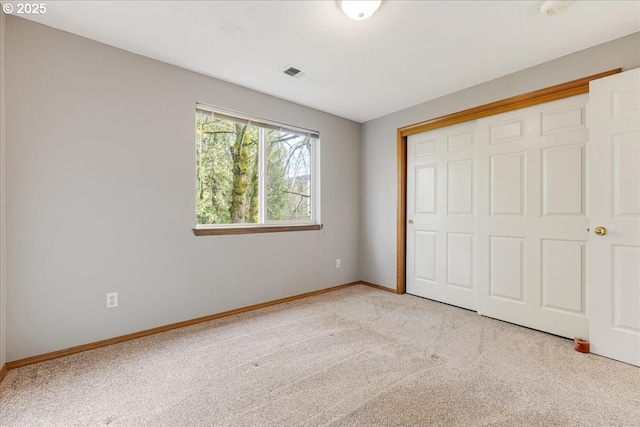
(552, 93)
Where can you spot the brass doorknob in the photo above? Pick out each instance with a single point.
(600, 231)
(410, 221)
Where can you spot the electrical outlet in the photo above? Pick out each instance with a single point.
(112, 299)
(338, 263)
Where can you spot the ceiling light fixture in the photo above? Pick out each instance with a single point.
(359, 9)
(554, 7)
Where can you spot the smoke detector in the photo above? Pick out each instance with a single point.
(298, 73)
(554, 7)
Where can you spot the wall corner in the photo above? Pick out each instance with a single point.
(3, 252)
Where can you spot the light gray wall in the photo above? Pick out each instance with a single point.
(378, 200)
(3, 284)
(100, 171)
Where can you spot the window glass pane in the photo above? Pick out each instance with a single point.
(288, 181)
(227, 178)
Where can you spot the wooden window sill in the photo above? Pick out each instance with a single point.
(215, 231)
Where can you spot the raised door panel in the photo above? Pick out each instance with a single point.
(425, 147)
(460, 141)
(563, 275)
(626, 288)
(507, 131)
(425, 186)
(563, 119)
(625, 102)
(460, 260)
(506, 272)
(563, 180)
(507, 184)
(461, 188)
(626, 166)
(425, 255)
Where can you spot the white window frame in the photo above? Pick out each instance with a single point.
(265, 225)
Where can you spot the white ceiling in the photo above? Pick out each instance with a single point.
(409, 52)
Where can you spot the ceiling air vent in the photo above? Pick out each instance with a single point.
(298, 73)
(292, 71)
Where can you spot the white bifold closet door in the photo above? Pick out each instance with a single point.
(496, 216)
(532, 222)
(441, 209)
(614, 205)
(499, 219)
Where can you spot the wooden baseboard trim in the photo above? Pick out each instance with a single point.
(3, 371)
(382, 288)
(103, 343)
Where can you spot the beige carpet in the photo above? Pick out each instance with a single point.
(354, 357)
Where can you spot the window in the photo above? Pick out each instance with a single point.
(252, 172)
